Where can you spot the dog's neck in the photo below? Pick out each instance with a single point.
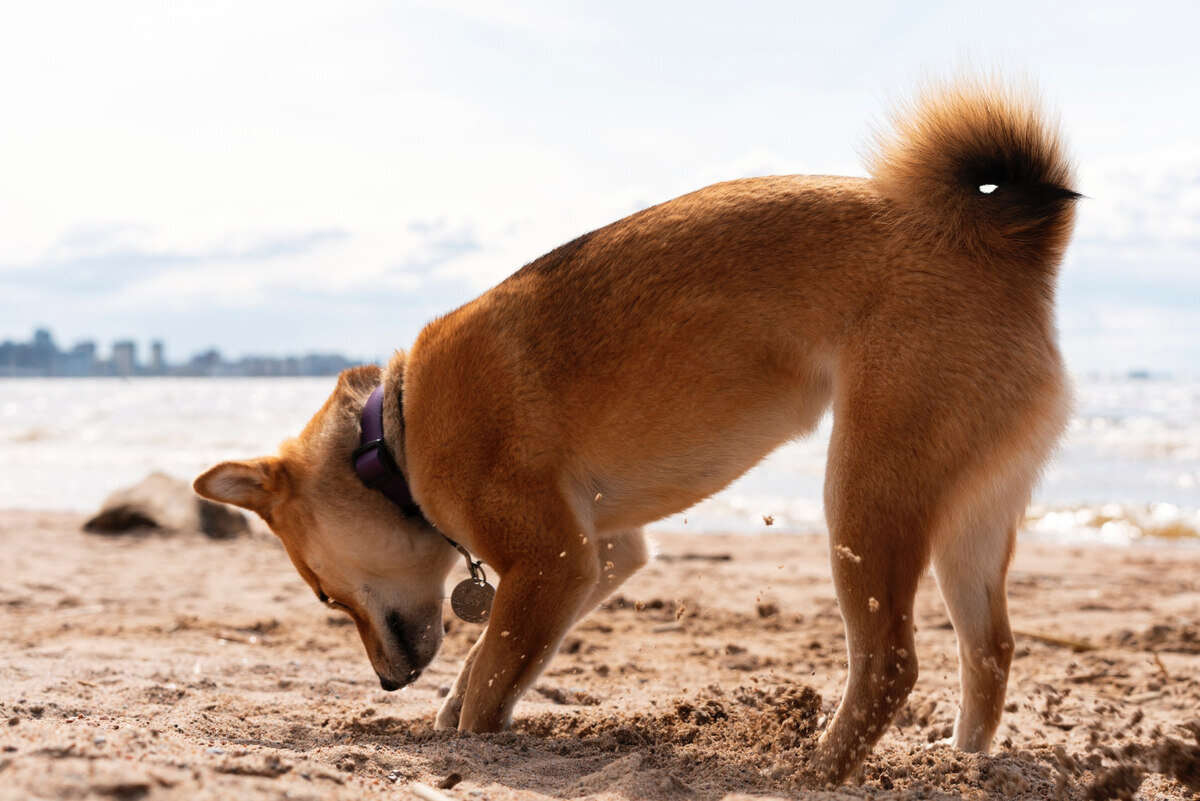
(376, 467)
(374, 463)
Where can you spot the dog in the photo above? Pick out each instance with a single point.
(644, 366)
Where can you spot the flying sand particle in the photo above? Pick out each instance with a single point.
(845, 553)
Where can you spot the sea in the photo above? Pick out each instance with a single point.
(1128, 469)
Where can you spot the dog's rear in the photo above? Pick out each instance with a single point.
(629, 374)
(949, 399)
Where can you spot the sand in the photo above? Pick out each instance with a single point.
(180, 667)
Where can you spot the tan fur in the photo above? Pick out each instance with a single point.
(629, 374)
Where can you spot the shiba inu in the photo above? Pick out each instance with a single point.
(643, 366)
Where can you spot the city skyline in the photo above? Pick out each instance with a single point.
(42, 357)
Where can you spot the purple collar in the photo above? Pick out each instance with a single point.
(374, 463)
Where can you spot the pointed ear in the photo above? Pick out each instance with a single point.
(256, 484)
(364, 377)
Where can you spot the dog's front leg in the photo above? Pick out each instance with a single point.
(536, 603)
(619, 556)
(448, 715)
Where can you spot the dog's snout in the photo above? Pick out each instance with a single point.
(406, 637)
(388, 685)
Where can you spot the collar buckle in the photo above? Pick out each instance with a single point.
(374, 463)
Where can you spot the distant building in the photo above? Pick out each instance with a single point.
(44, 350)
(80, 361)
(158, 364)
(16, 359)
(124, 358)
(34, 358)
(206, 364)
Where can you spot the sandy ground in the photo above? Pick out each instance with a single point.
(179, 667)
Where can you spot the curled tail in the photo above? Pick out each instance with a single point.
(948, 149)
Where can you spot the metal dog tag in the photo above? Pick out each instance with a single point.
(472, 600)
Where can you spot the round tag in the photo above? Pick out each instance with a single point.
(472, 600)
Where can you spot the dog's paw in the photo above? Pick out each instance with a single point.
(448, 715)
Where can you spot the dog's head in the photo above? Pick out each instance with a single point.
(351, 545)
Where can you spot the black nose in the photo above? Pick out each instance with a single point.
(388, 686)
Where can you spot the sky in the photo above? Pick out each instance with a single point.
(287, 177)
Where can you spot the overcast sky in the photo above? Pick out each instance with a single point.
(284, 177)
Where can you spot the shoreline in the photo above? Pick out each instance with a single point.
(1129, 463)
(172, 666)
(1130, 517)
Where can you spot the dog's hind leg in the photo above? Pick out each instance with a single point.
(620, 555)
(876, 571)
(971, 577)
(971, 563)
(879, 492)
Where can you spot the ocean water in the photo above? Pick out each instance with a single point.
(1128, 469)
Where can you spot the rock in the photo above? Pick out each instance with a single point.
(161, 502)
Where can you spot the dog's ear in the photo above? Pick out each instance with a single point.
(256, 484)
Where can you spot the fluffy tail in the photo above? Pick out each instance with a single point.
(976, 165)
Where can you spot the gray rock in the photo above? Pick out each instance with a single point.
(161, 502)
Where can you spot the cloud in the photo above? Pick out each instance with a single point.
(539, 20)
(321, 264)
(1109, 337)
(1130, 286)
(316, 159)
(115, 258)
(440, 243)
(1143, 206)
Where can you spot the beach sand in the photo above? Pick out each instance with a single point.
(172, 666)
